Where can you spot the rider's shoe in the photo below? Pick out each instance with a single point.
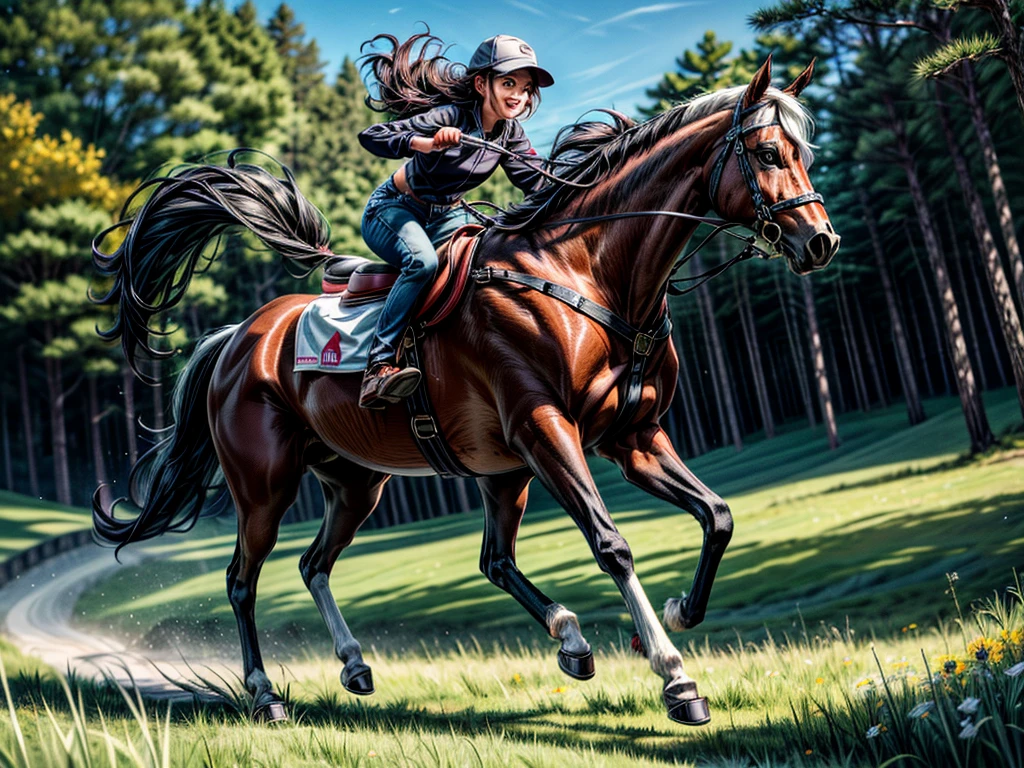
(385, 383)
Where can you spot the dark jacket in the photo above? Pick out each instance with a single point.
(443, 177)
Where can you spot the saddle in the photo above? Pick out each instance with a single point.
(361, 281)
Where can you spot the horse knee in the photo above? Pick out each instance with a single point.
(613, 555)
(241, 596)
(719, 525)
(494, 568)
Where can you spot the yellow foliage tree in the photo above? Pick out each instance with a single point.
(38, 170)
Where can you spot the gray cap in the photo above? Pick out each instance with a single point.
(504, 53)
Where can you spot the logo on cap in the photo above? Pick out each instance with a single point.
(524, 48)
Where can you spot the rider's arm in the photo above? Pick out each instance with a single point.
(522, 173)
(392, 140)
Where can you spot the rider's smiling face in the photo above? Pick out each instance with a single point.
(505, 96)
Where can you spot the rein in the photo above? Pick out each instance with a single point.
(764, 227)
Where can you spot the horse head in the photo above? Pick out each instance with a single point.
(758, 176)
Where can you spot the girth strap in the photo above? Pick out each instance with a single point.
(423, 420)
(642, 343)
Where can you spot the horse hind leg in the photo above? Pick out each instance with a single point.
(351, 493)
(263, 473)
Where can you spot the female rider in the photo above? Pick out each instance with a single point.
(437, 101)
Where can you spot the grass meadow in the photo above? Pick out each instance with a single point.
(835, 635)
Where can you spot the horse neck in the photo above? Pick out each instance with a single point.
(630, 260)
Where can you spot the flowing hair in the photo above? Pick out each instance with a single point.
(408, 81)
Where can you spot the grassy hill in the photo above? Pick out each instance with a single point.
(865, 532)
(25, 522)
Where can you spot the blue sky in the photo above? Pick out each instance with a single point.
(601, 53)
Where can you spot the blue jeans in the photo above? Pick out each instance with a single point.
(404, 233)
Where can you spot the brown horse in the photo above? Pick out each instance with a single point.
(530, 384)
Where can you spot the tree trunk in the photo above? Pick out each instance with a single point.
(970, 317)
(796, 351)
(978, 429)
(933, 318)
(720, 374)
(880, 356)
(1009, 39)
(754, 353)
(833, 373)
(58, 427)
(97, 444)
(128, 388)
(869, 353)
(26, 423)
(995, 179)
(904, 364)
(8, 469)
(1009, 321)
(916, 323)
(860, 389)
(993, 345)
(818, 356)
(698, 436)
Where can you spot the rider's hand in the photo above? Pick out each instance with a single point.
(446, 137)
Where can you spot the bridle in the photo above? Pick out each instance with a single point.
(765, 225)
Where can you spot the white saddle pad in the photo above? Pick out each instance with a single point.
(335, 339)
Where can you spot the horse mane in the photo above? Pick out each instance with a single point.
(597, 148)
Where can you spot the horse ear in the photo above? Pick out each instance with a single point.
(802, 80)
(759, 84)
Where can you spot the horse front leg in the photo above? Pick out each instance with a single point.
(648, 460)
(504, 504)
(549, 442)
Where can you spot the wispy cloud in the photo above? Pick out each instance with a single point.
(525, 7)
(597, 27)
(395, 10)
(600, 69)
(600, 99)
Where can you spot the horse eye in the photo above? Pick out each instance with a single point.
(769, 157)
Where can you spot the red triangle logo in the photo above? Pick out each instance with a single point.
(330, 355)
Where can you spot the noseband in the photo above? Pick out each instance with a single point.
(765, 226)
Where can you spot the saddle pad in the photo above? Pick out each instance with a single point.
(335, 339)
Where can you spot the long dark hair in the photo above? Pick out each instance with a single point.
(406, 81)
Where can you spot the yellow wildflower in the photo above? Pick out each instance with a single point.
(949, 664)
(986, 649)
(559, 689)
(1012, 637)
(819, 680)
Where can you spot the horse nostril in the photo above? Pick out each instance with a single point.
(821, 248)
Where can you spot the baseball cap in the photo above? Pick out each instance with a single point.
(504, 53)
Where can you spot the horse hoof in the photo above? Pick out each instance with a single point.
(358, 680)
(691, 712)
(274, 712)
(580, 667)
(684, 705)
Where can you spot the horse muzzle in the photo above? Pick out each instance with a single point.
(815, 253)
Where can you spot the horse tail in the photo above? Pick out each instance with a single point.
(167, 237)
(170, 483)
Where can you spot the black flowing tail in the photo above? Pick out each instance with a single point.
(169, 484)
(188, 208)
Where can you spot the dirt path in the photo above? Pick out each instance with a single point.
(37, 608)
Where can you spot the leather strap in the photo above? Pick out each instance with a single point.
(426, 430)
(642, 343)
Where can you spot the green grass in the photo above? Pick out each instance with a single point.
(835, 554)
(25, 522)
(812, 700)
(865, 532)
